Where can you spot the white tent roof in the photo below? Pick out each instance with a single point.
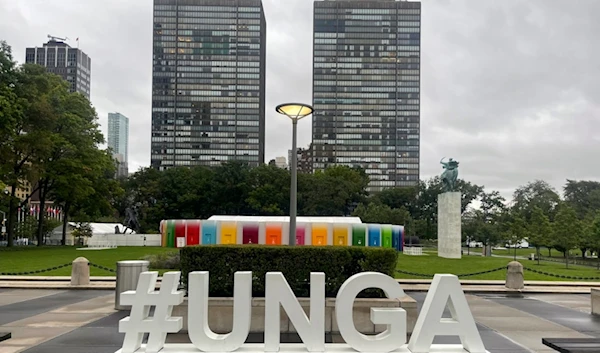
(299, 219)
(105, 228)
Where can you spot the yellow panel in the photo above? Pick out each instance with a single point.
(319, 236)
(228, 233)
(340, 236)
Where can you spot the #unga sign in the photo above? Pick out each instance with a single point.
(445, 291)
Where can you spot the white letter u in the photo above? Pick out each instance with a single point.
(201, 336)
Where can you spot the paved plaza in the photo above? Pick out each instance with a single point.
(74, 321)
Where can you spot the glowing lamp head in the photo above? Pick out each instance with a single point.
(294, 111)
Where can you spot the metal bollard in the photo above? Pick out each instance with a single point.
(128, 274)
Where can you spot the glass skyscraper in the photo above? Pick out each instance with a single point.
(208, 84)
(366, 88)
(118, 140)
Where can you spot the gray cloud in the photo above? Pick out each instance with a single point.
(509, 88)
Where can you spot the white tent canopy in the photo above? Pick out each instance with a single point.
(105, 228)
(285, 219)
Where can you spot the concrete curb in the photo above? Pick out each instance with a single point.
(491, 288)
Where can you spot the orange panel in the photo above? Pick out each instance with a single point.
(273, 235)
(319, 235)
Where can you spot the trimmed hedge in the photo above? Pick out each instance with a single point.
(296, 263)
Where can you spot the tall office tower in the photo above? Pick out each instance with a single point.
(208, 84)
(118, 141)
(366, 86)
(59, 58)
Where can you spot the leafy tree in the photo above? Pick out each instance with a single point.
(516, 232)
(401, 197)
(333, 191)
(85, 186)
(593, 230)
(379, 213)
(539, 231)
(269, 193)
(29, 108)
(232, 188)
(74, 135)
(567, 229)
(537, 193)
(583, 196)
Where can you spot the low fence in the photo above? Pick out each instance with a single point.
(115, 240)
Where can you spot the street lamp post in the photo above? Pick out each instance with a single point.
(294, 111)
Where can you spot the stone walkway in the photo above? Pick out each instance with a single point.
(74, 321)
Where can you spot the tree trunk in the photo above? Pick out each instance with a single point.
(549, 252)
(40, 229)
(598, 256)
(63, 241)
(537, 254)
(567, 257)
(10, 227)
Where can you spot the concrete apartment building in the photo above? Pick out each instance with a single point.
(59, 58)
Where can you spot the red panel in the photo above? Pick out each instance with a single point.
(180, 229)
(300, 236)
(193, 232)
(250, 234)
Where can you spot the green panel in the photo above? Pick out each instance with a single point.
(170, 234)
(386, 237)
(358, 236)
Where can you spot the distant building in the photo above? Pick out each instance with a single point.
(366, 88)
(23, 192)
(281, 162)
(59, 58)
(208, 82)
(304, 159)
(118, 141)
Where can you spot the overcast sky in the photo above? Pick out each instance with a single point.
(509, 88)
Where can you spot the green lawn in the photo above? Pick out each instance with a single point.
(431, 264)
(32, 258)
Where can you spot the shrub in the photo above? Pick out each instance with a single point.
(164, 261)
(296, 264)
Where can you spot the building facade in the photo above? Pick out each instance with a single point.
(59, 58)
(208, 84)
(281, 162)
(304, 158)
(366, 88)
(118, 141)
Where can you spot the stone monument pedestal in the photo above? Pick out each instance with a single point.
(449, 225)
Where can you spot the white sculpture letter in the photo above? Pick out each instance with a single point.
(445, 289)
(200, 333)
(395, 318)
(278, 291)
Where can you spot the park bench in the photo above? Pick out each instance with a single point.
(573, 345)
(4, 336)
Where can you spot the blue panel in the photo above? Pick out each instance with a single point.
(209, 233)
(374, 236)
(396, 238)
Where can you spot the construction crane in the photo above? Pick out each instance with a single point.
(57, 38)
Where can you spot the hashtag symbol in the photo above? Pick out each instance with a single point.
(139, 321)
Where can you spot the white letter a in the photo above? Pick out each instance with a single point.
(445, 289)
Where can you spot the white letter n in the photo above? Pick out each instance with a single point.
(311, 332)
